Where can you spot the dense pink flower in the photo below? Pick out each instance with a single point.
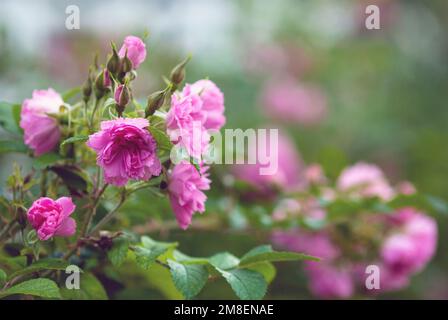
(184, 123)
(410, 248)
(125, 150)
(212, 102)
(185, 188)
(365, 180)
(42, 132)
(289, 101)
(289, 174)
(52, 218)
(136, 50)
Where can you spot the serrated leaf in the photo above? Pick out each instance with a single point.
(247, 284)
(12, 146)
(162, 139)
(189, 279)
(90, 289)
(119, 251)
(74, 139)
(265, 253)
(43, 264)
(41, 287)
(224, 260)
(146, 257)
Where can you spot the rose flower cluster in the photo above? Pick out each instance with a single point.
(124, 146)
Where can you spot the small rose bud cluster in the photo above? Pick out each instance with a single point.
(124, 146)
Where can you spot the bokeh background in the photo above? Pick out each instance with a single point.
(373, 95)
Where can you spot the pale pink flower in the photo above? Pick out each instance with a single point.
(184, 123)
(125, 150)
(41, 132)
(329, 281)
(136, 50)
(52, 218)
(185, 189)
(289, 101)
(212, 102)
(366, 180)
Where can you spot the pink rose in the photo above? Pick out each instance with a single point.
(411, 247)
(366, 180)
(212, 102)
(125, 150)
(52, 218)
(184, 123)
(289, 174)
(288, 101)
(136, 50)
(42, 132)
(185, 186)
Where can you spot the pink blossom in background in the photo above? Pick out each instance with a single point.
(212, 102)
(41, 132)
(412, 245)
(125, 150)
(406, 188)
(365, 179)
(185, 189)
(290, 172)
(314, 174)
(52, 218)
(329, 281)
(136, 50)
(290, 101)
(184, 123)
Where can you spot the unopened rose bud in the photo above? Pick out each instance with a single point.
(126, 64)
(87, 89)
(113, 64)
(122, 97)
(155, 101)
(178, 73)
(101, 82)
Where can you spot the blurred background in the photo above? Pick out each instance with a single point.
(373, 95)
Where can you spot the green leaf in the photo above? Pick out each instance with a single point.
(267, 269)
(146, 257)
(41, 287)
(12, 146)
(188, 279)
(90, 289)
(66, 96)
(75, 139)
(149, 243)
(247, 284)
(47, 160)
(43, 264)
(265, 253)
(119, 251)
(162, 139)
(10, 117)
(224, 261)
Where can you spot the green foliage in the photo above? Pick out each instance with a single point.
(43, 264)
(41, 287)
(265, 253)
(162, 139)
(80, 138)
(119, 250)
(10, 117)
(247, 284)
(188, 279)
(12, 146)
(90, 288)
